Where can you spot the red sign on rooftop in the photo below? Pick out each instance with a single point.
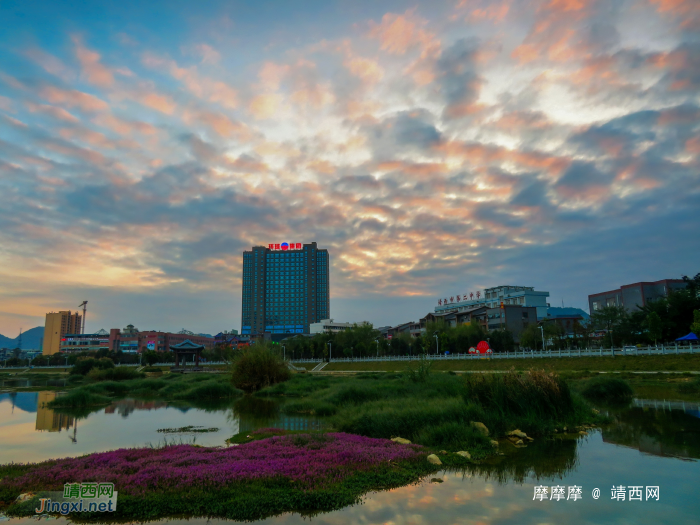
(285, 246)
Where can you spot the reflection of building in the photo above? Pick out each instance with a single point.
(47, 419)
(56, 326)
(634, 296)
(285, 423)
(525, 296)
(130, 340)
(124, 407)
(285, 289)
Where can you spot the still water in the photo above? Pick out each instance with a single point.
(644, 446)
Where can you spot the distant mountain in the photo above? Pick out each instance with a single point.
(31, 339)
(206, 335)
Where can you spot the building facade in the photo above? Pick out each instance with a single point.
(57, 325)
(511, 317)
(326, 326)
(286, 288)
(634, 296)
(74, 343)
(525, 296)
(131, 340)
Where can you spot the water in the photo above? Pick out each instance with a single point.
(644, 446)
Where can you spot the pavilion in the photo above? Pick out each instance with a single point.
(184, 349)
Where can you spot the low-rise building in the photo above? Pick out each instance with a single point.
(511, 317)
(131, 340)
(525, 296)
(330, 326)
(634, 296)
(567, 318)
(74, 343)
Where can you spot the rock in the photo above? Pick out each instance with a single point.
(464, 454)
(480, 427)
(26, 496)
(432, 458)
(436, 480)
(583, 433)
(517, 433)
(401, 440)
(514, 439)
(443, 452)
(519, 442)
(494, 443)
(529, 439)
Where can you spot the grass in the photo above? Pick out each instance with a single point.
(437, 410)
(183, 387)
(669, 362)
(607, 389)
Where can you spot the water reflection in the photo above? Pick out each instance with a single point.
(252, 413)
(660, 432)
(51, 420)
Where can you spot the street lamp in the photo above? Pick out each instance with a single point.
(377, 341)
(284, 353)
(330, 350)
(437, 343)
(542, 330)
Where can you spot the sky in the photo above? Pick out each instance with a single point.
(434, 148)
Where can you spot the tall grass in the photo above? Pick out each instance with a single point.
(113, 374)
(258, 367)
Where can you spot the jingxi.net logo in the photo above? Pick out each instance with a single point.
(80, 497)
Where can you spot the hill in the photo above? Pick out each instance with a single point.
(30, 339)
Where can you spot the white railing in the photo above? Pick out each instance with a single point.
(520, 354)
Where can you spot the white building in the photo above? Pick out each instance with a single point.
(493, 297)
(328, 326)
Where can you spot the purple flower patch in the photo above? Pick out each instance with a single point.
(308, 460)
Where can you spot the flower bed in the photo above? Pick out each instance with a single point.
(310, 461)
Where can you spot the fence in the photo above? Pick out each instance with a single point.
(520, 354)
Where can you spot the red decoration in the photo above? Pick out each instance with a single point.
(271, 246)
(439, 302)
(277, 246)
(452, 299)
(298, 246)
(483, 347)
(478, 294)
(458, 298)
(445, 300)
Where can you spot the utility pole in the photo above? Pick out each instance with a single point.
(84, 305)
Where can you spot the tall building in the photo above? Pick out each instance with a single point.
(57, 325)
(634, 296)
(285, 288)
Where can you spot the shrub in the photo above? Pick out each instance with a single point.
(258, 367)
(210, 390)
(607, 389)
(84, 364)
(114, 374)
(80, 397)
(453, 436)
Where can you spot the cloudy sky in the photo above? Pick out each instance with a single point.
(434, 148)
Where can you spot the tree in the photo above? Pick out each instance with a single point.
(654, 327)
(151, 357)
(609, 318)
(695, 327)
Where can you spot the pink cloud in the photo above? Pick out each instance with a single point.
(208, 54)
(92, 69)
(52, 111)
(124, 127)
(265, 106)
(157, 101)
(73, 98)
(401, 33)
(49, 63)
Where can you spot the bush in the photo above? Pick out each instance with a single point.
(80, 397)
(114, 374)
(258, 367)
(210, 390)
(607, 389)
(84, 364)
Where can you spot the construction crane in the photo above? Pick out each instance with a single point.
(84, 305)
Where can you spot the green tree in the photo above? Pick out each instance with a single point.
(654, 327)
(609, 318)
(151, 357)
(695, 327)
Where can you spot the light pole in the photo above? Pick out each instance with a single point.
(284, 353)
(330, 350)
(377, 341)
(437, 343)
(542, 330)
